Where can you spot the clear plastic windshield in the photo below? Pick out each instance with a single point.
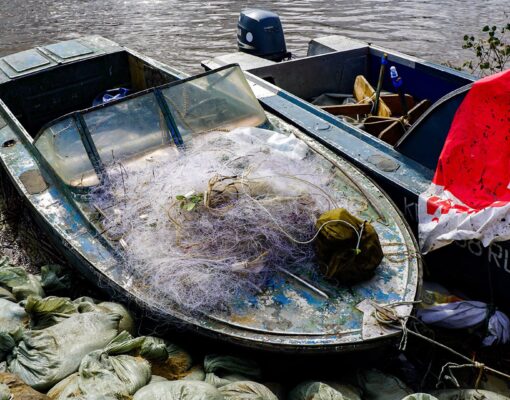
(128, 128)
(156, 121)
(222, 100)
(62, 147)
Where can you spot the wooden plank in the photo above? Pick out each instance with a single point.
(348, 109)
(393, 132)
(417, 111)
(393, 102)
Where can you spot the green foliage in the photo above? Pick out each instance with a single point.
(491, 51)
(190, 201)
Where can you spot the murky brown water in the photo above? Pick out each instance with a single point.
(182, 33)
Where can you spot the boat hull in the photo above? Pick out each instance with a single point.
(403, 171)
(56, 210)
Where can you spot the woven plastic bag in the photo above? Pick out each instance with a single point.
(107, 372)
(19, 281)
(323, 391)
(178, 390)
(222, 370)
(47, 356)
(246, 390)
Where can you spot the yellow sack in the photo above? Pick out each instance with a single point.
(342, 254)
(365, 93)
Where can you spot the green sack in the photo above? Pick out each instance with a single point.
(55, 279)
(377, 385)
(12, 316)
(222, 370)
(168, 360)
(48, 311)
(342, 254)
(19, 281)
(87, 304)
(7, 295)
(108, 372)
(178, 390)
(322, 391)
(467, 394)
(246, 390)
(5, 393)
(47, 356)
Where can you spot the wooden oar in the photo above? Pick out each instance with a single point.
(384, 61)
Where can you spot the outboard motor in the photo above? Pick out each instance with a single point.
(260, 33)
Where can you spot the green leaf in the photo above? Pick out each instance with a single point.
(190, 206)
(180, 197)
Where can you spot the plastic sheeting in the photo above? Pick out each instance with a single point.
(469, 197)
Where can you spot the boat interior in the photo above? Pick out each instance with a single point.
(343, 84)
(42, 84)
(83, 146)
(57, 93)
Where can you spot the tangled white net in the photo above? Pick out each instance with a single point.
(203, 226)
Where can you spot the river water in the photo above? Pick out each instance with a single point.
(182, 33)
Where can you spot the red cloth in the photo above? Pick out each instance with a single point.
(475, 162)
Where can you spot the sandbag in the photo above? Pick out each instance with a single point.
(167, 359)
(5, 393)
(322, 391)
(246, 390)
(178, 390)
(107, 372)
(87, 304)
(341, 253)
(69, 389)
(420, 396)
(55, 279)
(12, 316)
(196, 373)
(19, 389)
(48, 311)
(47, 356)
(377, 385)
(467, 394)
(157, 378)
(7, 344)
(222, 370)
(18, 281)
(5, 294)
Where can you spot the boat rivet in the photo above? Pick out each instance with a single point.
(322, 126)
(9, 143)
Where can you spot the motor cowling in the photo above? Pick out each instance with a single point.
(260, 33)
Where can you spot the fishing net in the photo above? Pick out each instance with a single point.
(203, 226)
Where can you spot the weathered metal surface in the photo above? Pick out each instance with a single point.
(288, 315)
(33, 181)
(482, 272)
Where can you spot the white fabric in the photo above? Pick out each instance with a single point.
(450, 222)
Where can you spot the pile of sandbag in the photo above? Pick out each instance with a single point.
(83, 349)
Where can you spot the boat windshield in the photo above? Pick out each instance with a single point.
(83, 145)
